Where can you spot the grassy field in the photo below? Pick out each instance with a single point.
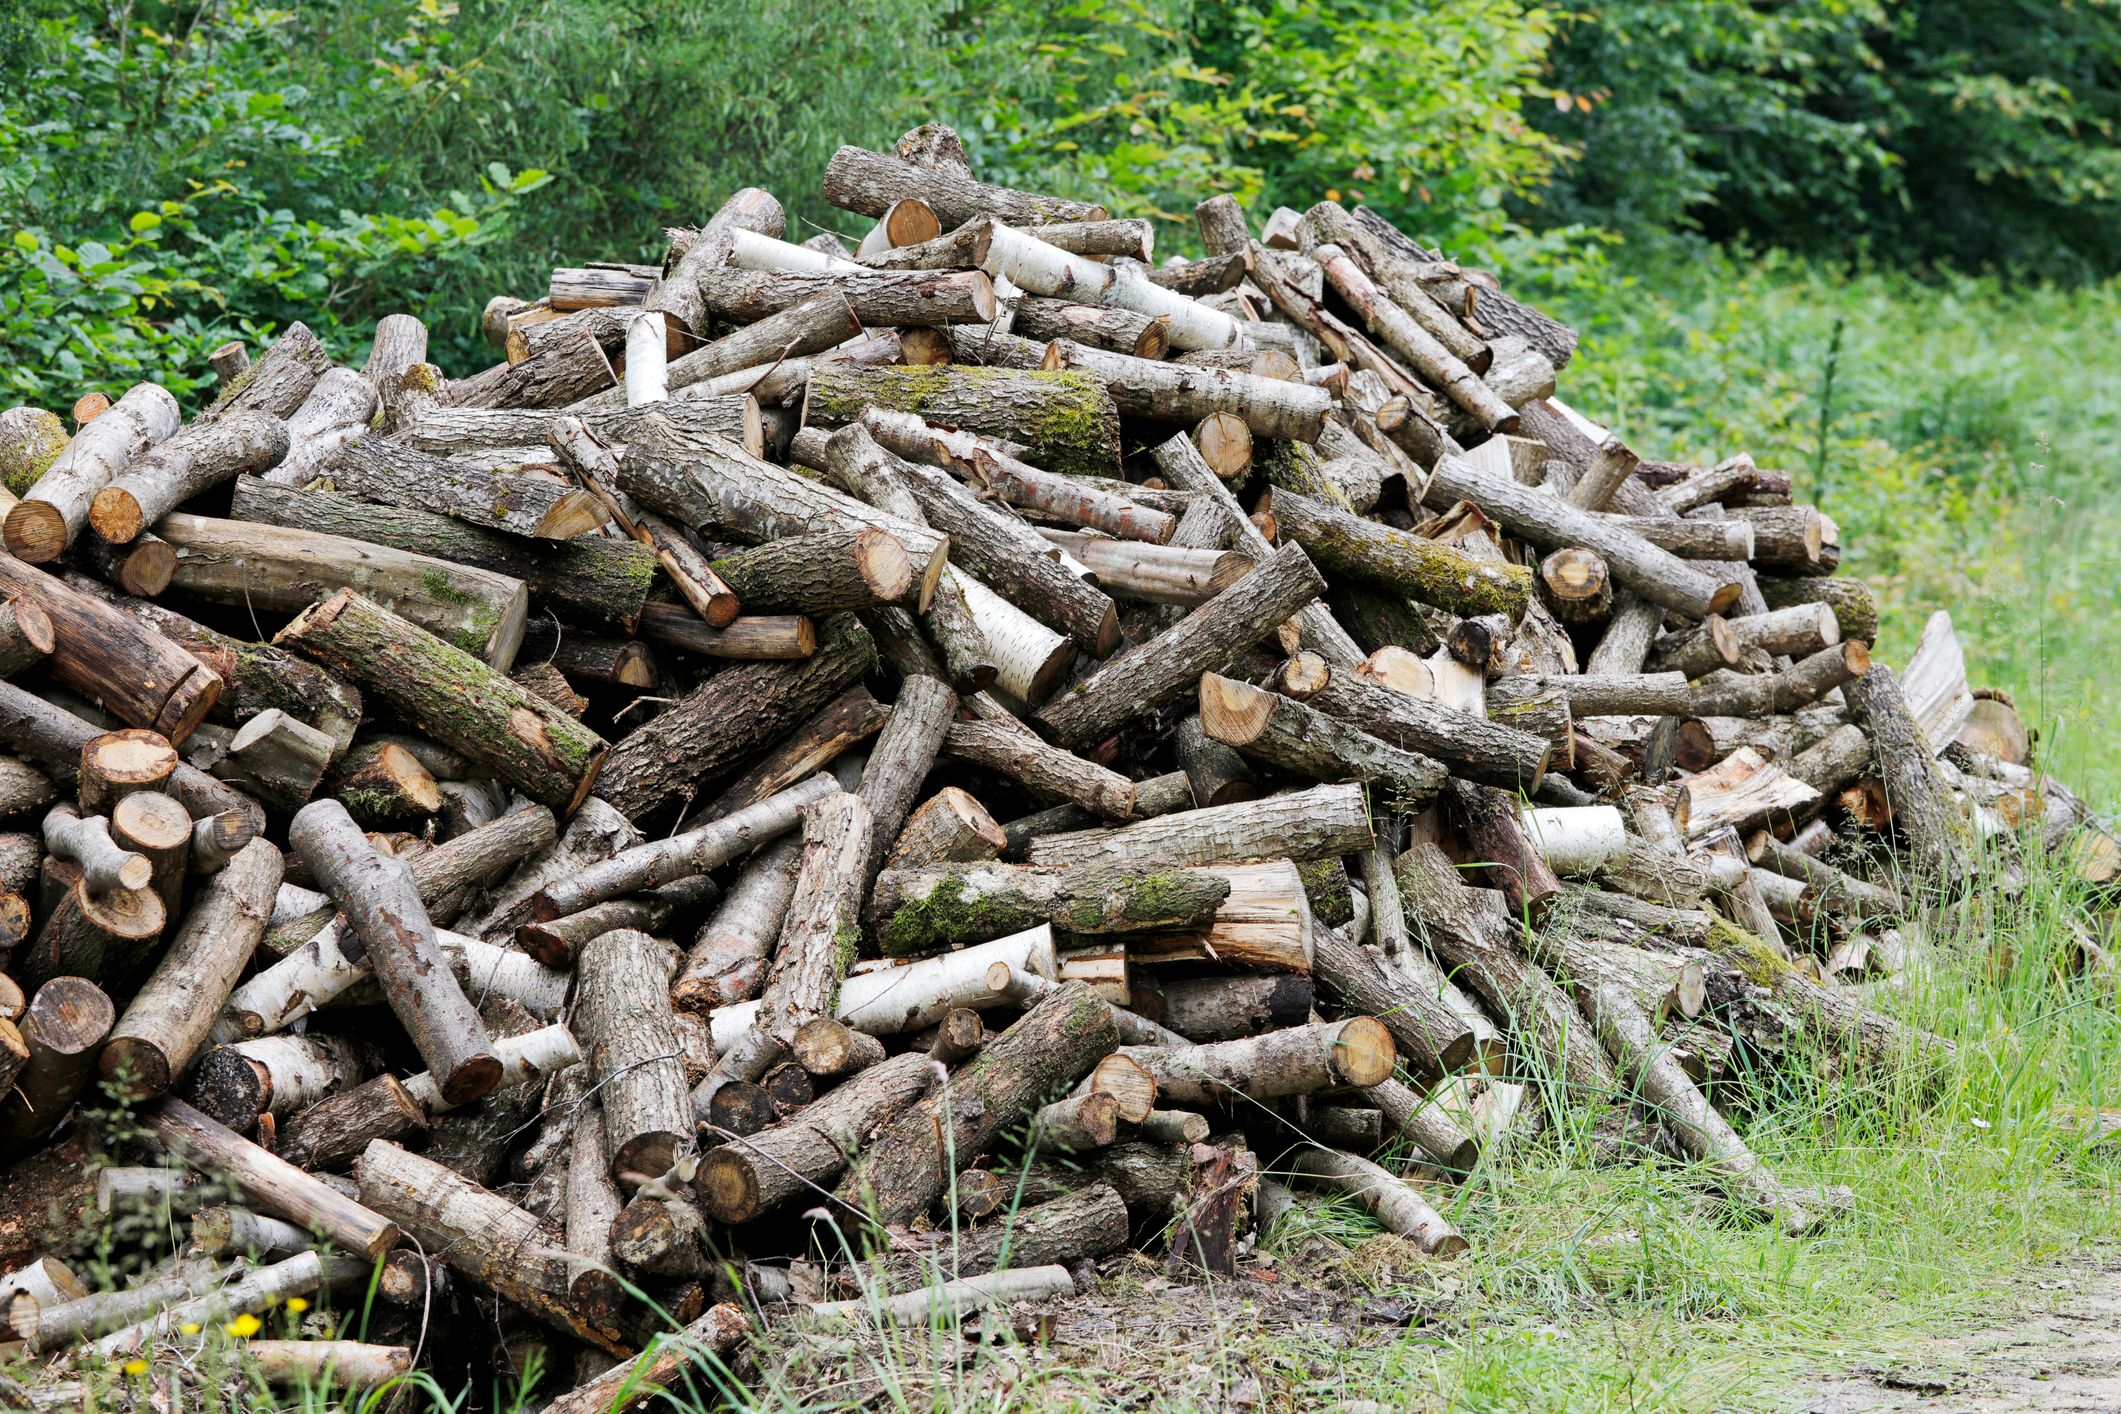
(1961, 435)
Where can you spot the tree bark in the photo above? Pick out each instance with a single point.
(1029, 263)
(173, 1014)
(1307, 742)
(271, 1184)
(136, 674)
(62, 1031)
(1402, 993)
(530, 501)
(240, 1084)
(1176, 392)
(329, 1135)
(1301, 1060)
(727, 963)
(867, 183)
(1473, 748)
(1766, 694)
(1067, 420)
(822, 924)
(564, 373)
(51, 512)
(1308, 824)
(922, 912)
(457, 699)
(623, 1014)
(950, 827)
(911, 1158)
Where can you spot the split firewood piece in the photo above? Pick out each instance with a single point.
(820, 928)
(530, 501)
(1405, 336)
(458, 700)
(750, 1176)
(1301, 1060)
(1472, 747)
(1207, 640)
(909, 1161)
(238, 1085)
(170, 1019)
(1747, 791)
(1674, 1098)
(268, 1183)
(869, 183)
(1002, 552)
(26, 635)
(256, 677)
(1067, 420)
(286, 571)
(623, 1013)
(482, 1236)
(1470, 933)
(695, 852)
(135, 673)
(1934, 684)
(950, 827)
(1545, 520)
(1013, 751)
(1800, 685)
(918, 912)
(1308, 824)
(51, 513)
(601, 579)
(329, 1135)
(196, 459)
(1392, 1201)
(562, 373)
(62, 1032)
(731, 716)
(1177, 392)
(383, 907)
(1183, 466)
(1398, 560)
(1403, 992)
(727, 962)
(105, 865)
(1307, 742)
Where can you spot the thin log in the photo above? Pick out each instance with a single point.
(271, 1184)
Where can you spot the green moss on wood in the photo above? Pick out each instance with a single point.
(944, 917)
(37, 437)
(1326, 887)
(1064, 415)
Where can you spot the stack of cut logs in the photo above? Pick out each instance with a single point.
(836, 781)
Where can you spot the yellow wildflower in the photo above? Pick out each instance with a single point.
(297, 1305)
(245, 1325)
(136, 1367)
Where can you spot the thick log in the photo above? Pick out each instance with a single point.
(562, 373)
(25, 791)
(1176, 392)
(908, 1163)
(1207, 640)
(285, 571)
(30, 440)
(759, 638)
(822, 922)
(104, 936)
(1924, 814)
(383, 907)
(1398, 560)
(1309, 824)
(1800, 685)
(1300, 1060)
(270, 1184)
(676, 294)
(1473, 748)
(1855, 607)
(819, 574)
(170, 1019)
(919, 912)
(197, 459)
(135, 673)
(329, 1135)
(1229, 1008)
(240, 1084)
(1624, 647)
(1067, 420)
(623, 1015)
(1545, 520)
(1119, 330)
(279, 381)
(454, 697)
(1597, 695)
(1403, 993)
(61, 1033)
(1307, 742)
(950, 827)
(481, 1235)
(51, 513)
(727, 961)
(1012, 751)
(531, 501)
(868, 183)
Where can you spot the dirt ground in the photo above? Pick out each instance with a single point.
(2060, 1350)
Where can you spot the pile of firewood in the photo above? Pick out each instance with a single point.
(837, 783)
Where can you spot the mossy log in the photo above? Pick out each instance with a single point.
(1067, 420)
(916, 912)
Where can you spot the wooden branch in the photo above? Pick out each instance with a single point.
(268, 1183)
(926, 911)
(1478, 750)
(138, 675)
(1174, 392)
(1307, 824)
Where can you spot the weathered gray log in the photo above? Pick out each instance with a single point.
(1474, 748)
(196, 459)
(1308, 824)
(1299, 1060)
(622, 1013)
(52, 512)
(270, 1184)
(917, 912)
(1308, 742)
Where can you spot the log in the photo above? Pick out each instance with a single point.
(457, 699)
(1119, 330)
(820, 928)
(869, 183)
(26, 791)
(1403, 992)
(105, 865)
(136, 674)
(117, 764)
(915, 913)
(623, 1015)
(1405, 336)
(909, 1161)
(281, 760)
(562, 373)
(1599, 695)
(676, 294)
(30, 440)
(729, 717)
(64, 1028)
(1855, 608)
(669, 1359)
(1308, 824)
(770, 638)
(329, 1135)
(1800, 685)
(1300, 1060)
(481, 1235)
(1229, 1008)
(819, 574)
(105, 937)
(950, 827)
(170, 1019)
(529, 501)
(1067, 420)
(1477, 750)
(270, 1184)
(1399, 561)
(195, 460)
(1021, 259)
(1175, 392)
(279, 381)
(51, 512)
(1307, 742)
(266, 1286)
(556, 944)
(383, 907)
(47, 1326)
(26, 636)
(1924, 815)
(1012, 751)
(328, 1364)
(727, 962)
(240, 1084)
(1547, 521)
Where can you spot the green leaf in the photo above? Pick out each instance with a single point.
(145, 221)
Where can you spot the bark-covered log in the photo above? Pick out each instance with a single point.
(1403, 993)
(821, 926)
(170, 1018)
(383, 906)
(1024, 260)
(950, 827)
(1406, 336)
(1399, 560)
(919, 912)
(1300, 1060)
(1120, 330)
(530, 501)
(30, 440)
(329, 1135)
(1047, 771)
(1226, 1008)
(135, 673)
(1800, 685)
(727, 962)
(1309, 824)
(268, 1183)
(1475, 749)
(1175, 392)
(623, 1015)
(910, 1160)
(104, 936)
(562, 373)
(1924, 814)
(241, 1084)
(63, 1030)
(1067, 420)
(1307, 742)
(868, 183)
(454, 697)
(1207, 640)
(52, 512)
